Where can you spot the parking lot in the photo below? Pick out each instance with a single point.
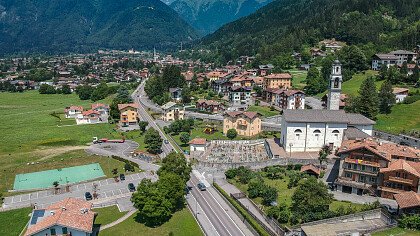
(106, 189)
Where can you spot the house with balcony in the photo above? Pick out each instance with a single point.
(246, 123)
(89, 117)
(240, 95)
(400, 176)
(210, 106)
(102, 109)
(73, 111)
(70, 216)
(290, 99)
(376, 168)
(128, 114)
(172, 112)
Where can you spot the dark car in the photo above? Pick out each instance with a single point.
(122, 177)
(131, 187)
(88, 196)
(201, 186)
(391, 210)
(166, 141)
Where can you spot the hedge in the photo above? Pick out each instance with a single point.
(260, 230)
(126, 161)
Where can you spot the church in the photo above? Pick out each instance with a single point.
(309, 130)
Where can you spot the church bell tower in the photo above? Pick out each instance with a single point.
(334, 90)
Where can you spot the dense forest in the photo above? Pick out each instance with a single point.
(86, 25)
(284, 26)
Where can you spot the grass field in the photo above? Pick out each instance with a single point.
(11, 167)
(107, 215)
(265, 111)
(12, 222)
(397, 232)
(402, 117)
(299, 77)
(181, 223)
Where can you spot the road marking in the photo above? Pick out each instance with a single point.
(202, 211)
(120, 191)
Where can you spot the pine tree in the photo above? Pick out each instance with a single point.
(386, 98)
(367, 103)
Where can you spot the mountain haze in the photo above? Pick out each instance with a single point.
(82, 25)
(287, 25)
(208, 15)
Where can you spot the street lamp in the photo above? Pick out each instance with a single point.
(290, 155)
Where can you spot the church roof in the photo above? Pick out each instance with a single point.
(325, 116)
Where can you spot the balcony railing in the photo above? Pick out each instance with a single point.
(360, 171)
(361, 162)
(401, 180)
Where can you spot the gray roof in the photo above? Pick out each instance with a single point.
(171, 90)
(402, 52)
(386, 56)
(352, 133)
(168, 105)
(325, 116)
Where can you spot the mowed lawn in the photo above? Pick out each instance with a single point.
(14, 221)
(11, 167)
(107, 215)
(181, 223)
(403, 117)
(26, 123)
(264, 111)
(299, 77)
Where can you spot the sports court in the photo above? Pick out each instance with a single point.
(45, 179)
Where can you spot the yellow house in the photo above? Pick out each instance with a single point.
(275, 81)
(172, 111)
(128, 114)
(245, 123)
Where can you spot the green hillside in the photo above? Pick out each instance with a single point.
(83, 25)
(286, 25)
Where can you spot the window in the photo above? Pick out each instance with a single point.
(298, 131)
(64, 229)
(397, 174)
(336, 131)
(52, 230)
(348, 175)
(317, 131)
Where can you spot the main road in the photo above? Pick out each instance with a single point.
(213, 214)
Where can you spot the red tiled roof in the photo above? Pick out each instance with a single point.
(250, 114)
(89, 112)
(77, 108)
(310, 167)
(68, 213)
(198, 141)
(279, 76)
(399, 90)
(407, 199)
(133, 105)
(400, 164)
(98, 105)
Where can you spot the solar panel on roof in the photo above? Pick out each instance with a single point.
(37, 214)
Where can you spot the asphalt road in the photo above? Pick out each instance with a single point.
(107, 190)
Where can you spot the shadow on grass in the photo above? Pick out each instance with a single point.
(152, 222)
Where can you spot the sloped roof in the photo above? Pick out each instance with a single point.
(399, 90)
(250, 114)
(402, 52)
(279, 76)
(198, 141)
(133, 105)
(400, 164)
(77, 108)
(68, 213)
(310, 167)
(325, 116)
(98, 105)
(407, 199)
(89, 112)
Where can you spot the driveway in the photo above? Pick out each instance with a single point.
(313, 102)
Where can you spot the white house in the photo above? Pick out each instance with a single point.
(290, 99)
(240, 95)
(379, 60)
(400, 94)
(73, 111)
(198, 145)
(89, 117)
(176, 94)
(310, 130)
(70, 216)
(404, 56)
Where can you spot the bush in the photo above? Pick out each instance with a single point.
(231, 173)
(411, 99)
(410, 222)
(128, 167)
(126, 161)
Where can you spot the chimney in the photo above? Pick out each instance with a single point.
(63, 208)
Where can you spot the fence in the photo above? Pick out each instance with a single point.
(258, 165)
(401, 138)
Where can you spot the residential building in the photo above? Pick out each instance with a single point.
(265, 69)
(310, 130)
(398, 177)
(172, 112)
(210, 106)
(400, 94)
(198, 145)
(408, 202)
(89, 117)
(379, 60)
(221, 86)
(176, 94)
(70, 216)
(383, 169)
(245, 123)
(404, 56)
(275, 81)
(128, 114)
(73, 111)
(290, 99)
(240, 95)
(102, 109)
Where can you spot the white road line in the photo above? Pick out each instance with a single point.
(120, 191)
(20, 199)
(105, 194)
(221, 222)
(202, 211)
(226, 213)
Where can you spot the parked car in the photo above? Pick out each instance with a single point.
(201, 186)
(390, 210)
(166, 141)
(88, 196)
(122, 177)
(131, 187)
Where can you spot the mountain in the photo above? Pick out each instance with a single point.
(286, 25)
(82, 25)
(208, 15)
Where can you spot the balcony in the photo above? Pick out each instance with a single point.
(390, 190)
(359, 171)
(361, 162)
(400, 180)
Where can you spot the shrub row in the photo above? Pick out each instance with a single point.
(260, 230)
(126, 161)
